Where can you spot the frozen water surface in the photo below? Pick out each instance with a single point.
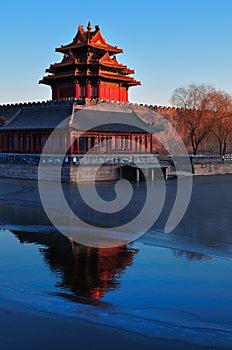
(177, 286)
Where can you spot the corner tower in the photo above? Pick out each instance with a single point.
(89, 69)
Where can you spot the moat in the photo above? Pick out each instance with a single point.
(176, 286)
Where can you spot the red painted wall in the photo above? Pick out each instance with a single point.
(101, 91)
(112, 93)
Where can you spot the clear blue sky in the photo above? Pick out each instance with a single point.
(169, 43)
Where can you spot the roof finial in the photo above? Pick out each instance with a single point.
(89, 27)
(80, 28)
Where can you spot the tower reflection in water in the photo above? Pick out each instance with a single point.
(85, 272)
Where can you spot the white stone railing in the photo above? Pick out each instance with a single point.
(211, 158)
(91, 159)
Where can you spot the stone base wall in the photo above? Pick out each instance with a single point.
(19, 171)
(52, 173)
(87, 173)
(200, 165)
(213, 169)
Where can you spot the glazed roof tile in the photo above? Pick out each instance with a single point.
(109, 118)
(38, 118)
(102, 117)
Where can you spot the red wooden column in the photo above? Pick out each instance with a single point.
(107, 93)
(36, 143)
(102, 144)
(99, 91)
(151, 144)
(18, 143)
(144, 138)
(147, 146)
(9, 142)
(88, 90)
(6, 143)
(119, 93)
(65, 143)
(31, 144)
(94, 144)
(99, 143)
(46, 143)
(122, 95)
(71, 143)
(77, 92)
(126, 95)
(132, 144)
(140, 143)
(78, 143)
(116, 143)
(135, 139)
(24, 144)
(126, 143)
(110, 144)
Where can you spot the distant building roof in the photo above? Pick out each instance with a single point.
(38, 117)
(101, 117)
(108, 118)
(91, 38)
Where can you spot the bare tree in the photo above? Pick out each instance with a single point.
(195, 115)
(221, 106)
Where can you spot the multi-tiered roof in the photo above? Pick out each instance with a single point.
(89, 69)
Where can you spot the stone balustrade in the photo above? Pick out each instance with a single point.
(88, 159)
